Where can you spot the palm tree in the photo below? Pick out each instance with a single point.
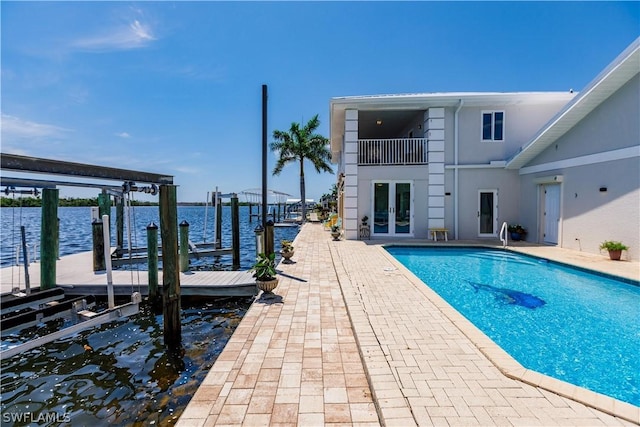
(300, 144)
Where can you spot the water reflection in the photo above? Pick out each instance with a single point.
(119, 373)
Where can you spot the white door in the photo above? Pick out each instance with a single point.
(392, 208)
(487, 213)
(551, 213)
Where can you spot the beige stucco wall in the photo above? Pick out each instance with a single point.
(589, 216)
(472, 181)
(417, 174)
(522, 121)
(614, 124)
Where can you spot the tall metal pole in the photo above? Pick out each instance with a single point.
(264, 155)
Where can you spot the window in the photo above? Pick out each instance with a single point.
(493, 125)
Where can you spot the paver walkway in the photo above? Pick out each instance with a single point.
(356, 339)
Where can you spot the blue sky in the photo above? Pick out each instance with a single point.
(175, 87)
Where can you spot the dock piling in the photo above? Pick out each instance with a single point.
(218, 221)
(104, 204)
(184, 246)
(152, 257)
(98, 245)
(48, 249)
(235, 232)
(170, 272)
(268, 238)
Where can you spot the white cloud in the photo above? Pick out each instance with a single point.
(123, 135)
(187, 170)
(123, 37)
(18, 128)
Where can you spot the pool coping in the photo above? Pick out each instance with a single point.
(503, 361)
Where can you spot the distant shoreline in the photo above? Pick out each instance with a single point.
(34, 202)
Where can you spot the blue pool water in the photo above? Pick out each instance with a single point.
(569, 324)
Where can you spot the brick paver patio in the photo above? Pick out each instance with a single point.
(352, 338)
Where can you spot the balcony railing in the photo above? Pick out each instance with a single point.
(397, 151)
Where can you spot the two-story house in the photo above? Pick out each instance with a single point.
(563, 164)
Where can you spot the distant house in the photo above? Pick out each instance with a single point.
(564, 165)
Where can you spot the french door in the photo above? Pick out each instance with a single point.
(392, 208)
(487, 213)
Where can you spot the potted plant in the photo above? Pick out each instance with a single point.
(265, 272)
(615, 248)
(364, 220)
(286, 250)
(335, 232)
(517, 232)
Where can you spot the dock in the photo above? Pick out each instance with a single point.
(75, 275)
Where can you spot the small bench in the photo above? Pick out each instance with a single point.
(433, 232)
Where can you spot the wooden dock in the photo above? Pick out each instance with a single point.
(74, 273)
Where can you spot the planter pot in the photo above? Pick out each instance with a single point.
(287, 256)
(615, 255)
(517, 236)
(267, 286)
(335, 235)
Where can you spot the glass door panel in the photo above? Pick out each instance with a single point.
(381, 208)
(403, 208)
(392, 208)
(486, 213)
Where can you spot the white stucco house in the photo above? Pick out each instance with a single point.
(565, 165)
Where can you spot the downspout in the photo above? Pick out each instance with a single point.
(456, 178)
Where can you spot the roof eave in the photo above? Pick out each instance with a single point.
(613, 77)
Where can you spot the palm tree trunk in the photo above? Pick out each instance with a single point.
(303, 199)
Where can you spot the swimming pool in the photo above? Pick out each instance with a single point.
(567, 323)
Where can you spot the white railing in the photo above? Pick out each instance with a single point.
(504, 231)
(396, 151)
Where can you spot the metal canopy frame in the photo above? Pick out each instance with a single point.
(58, 167)
(6, 181)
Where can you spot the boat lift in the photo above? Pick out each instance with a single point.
(27, 308)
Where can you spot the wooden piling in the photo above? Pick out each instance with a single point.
(104, 204)
(268, 238)
(98, 245)
(235, 232)
(170, 272)
(57, 238)
(152, 257)
(218, 222)
(184, 246)
(49, 223)
(250, 212)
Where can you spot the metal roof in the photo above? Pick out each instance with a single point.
(612, 78)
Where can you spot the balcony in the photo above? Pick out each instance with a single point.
(396, 151)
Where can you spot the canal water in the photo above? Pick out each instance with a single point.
(120, 373)
(76, 233)
(117, 374)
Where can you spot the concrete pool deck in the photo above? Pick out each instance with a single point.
(353, 338)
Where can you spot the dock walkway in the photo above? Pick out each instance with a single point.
(75, 274)
(353, 338)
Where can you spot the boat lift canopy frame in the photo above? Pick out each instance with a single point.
(26, 164)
